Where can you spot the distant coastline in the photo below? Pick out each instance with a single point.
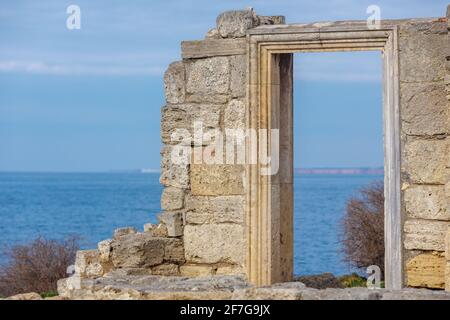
(343, 171)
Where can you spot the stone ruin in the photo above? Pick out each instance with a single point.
(216, 226)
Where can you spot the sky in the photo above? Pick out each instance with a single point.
(90, 99)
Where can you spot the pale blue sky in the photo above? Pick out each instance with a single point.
(90, 99)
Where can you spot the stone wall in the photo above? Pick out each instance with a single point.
(425, 150)
(202, 226)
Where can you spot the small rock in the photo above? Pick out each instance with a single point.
(234, 24)
(156, 230)
(26, 296)
(124, 231)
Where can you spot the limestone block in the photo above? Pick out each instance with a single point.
(210, 76)
(156, 230)
(424, 161)
(234, 115)
(447, 245)
(174, 82)
(172, 198)
(139, 250)
(421, 55)
(238, 84)
(173, 222)
(229, 270)
(234, 24)
(426, 270)
(173, 251)
(167, 269)
(196, 270)
(217, 179)
(214, 243)
(87, 263)
(221, 209)
(179, 118)
(123, 231)
(173, 174)
(104, 249)
(447, 276)
(426, 202)
(424, 109)
(425, 234)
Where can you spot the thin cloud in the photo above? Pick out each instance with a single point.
(37, 67)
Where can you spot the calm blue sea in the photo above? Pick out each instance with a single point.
(92, 205)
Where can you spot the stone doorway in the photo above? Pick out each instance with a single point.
(269, 209)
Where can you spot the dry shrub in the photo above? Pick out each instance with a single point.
(363, 228)
(37, 266)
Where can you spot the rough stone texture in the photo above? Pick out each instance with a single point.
(424, 161)
(230, 270)
(234, 24)
(447, 245)
(424, 109)
(173, 222)
(123, 231)
(234, 115)
(137, 251)
(156, 230)
(120, 284)
(25, 296)
(222, 209)
(210, 76)
(167, 269)
(426, 202)
(421, 57)
(196, 270)
(175, 175)
(182, 117)
(172, 198)
(426, 270)
(238, 84)
(447, 276)
(174, 83)
(217, 180)
(87, 263)
(214, 243)
(425, 234)
(104, 250)
(174, 251)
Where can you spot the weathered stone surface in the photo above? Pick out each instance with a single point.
(172, 198)
(280, 291)
(230, 270)
(238, 84)
(424, 161)
(156, 230)
(426, 202)
(87, 263)
(234, 24)
(173, 174)
(174, 251)
(214, 243)
(234, 115)
(221, 209)
(173, 222)
(210, 76)
(174, 82)
(178, 120)
(25, 296)
(447, 276)
(424, 109)
(217, 180)
(196, 270)
(139, 250)
(271, 20)
(167, 269)
(212, 47)
(426, 270)
(124, 231)
(104, 250)
(447, 245)
(421, 57)
(425, 234)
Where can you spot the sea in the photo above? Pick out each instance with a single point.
(91, 205)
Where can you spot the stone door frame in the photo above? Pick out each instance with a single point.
(269, 199)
